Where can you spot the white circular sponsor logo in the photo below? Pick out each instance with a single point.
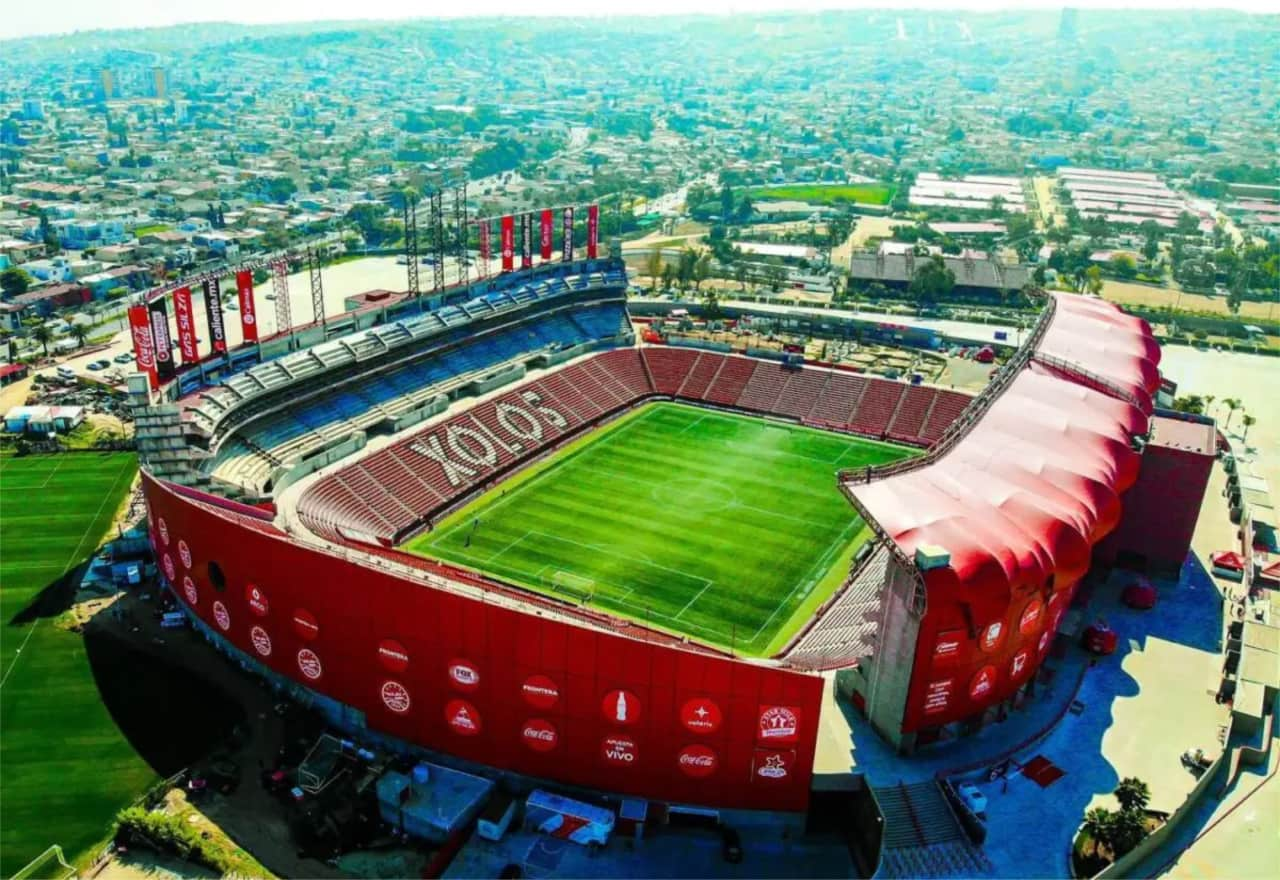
(256, 600)
(395, 697)
(222, 616)
(169, 570)
(189, 590)
(184, 554)
(261, 641)
(464, 674)
(778, 723)
(309, 663)
(164, 532)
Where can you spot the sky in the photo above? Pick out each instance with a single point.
(22, 18)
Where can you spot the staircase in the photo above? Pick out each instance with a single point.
(922, 837)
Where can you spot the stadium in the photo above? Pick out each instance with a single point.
(492, 524)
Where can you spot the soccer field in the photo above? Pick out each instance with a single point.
(726, 528)
(65, 768)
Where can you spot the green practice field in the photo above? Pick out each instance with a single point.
(826, 193)
(727, 528)
(65, 768)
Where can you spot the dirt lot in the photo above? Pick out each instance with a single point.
(1127, 293)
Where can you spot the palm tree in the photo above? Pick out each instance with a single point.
(1232, 404)
(81, 334)
(1208, 403)
(1249, 422)
(1133, 793)
(43, 335)
(1097, 824)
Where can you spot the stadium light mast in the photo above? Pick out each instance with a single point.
(410, 208)
(317, 286)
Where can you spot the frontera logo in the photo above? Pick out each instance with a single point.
(779, 724)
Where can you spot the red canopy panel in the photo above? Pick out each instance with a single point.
(1098, 337)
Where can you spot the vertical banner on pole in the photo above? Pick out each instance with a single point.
(526, 241)
(546, 231)
(568, 234)
(213, 316)
(164, 343)
(508, 233)
(248, 314)
(486, 249)
(183, 315)
(593, 231)
(144, 346)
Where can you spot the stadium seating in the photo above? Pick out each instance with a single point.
(844, 631)
(877, 408)
(912, 412)
(730, 381)
(763, 389)
(802, 393)
(839, 400)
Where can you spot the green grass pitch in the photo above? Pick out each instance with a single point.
(65, 768)
(726, 528)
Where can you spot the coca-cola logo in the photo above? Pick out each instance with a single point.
(462, 717)
(395, 697)
(221, 616)
(620, 751)
(697, 761)
(170, 571)
(621, 707)
(700, 715)
(184, 554)
(779, 724)
(464, 675)
(256, 600)
(309, 664)
(305, 625)
(261, 641)
(142, 346)
(189, 590)
(163, 528)
(982, 682)
(393, 656)
(539, 735)
(540, 692)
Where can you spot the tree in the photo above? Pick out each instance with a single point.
(932, 280)
(1122, 265)
(1191, 403)
(684, 268)
(701, 270)
(653, 267)
(1097, 824)
(1093, 280)
(1188, 224)
(1249, 421)
(81, 334)
(14, 281)
(43, 335)
(668, 276)
(1128, 828)
(1232, 404)
(740, 273)
(1133, 794)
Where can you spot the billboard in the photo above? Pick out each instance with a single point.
(568, 234)
(213, 316)
(486, 248)
(546, 231)
(159, 315)
(183, 314)
(144, 346)
(248, 313)
(593, 231)
(508, 234)
(526, 241)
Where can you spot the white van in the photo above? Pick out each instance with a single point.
(66, 373)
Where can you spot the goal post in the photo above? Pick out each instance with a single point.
(574, 586)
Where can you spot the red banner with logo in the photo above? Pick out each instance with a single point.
(526, 241)
(183, 314)
(568, 235)
(486, 249)
(593, 231)
(547, 226)
(248, 312)
(508, 243)
(213, 316)
(144, 346)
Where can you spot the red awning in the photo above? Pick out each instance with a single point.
(1227, 559)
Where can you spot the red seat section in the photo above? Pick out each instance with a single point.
(877, 408)
(732, 378)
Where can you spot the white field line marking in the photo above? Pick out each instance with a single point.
(815, 574)
(695, 598)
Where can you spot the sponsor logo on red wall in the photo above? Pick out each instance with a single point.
(700, 715)
(1020, 664)
(248, 314)
(540, 735)
(507, 239)
(462, 717)
(189, 590)
(256, 600)
(184, 554)
(393, 656)
(546, 226)
(982, 683)
(937, 696)
(163, 528)
(261, 641)
(948, 648)
(144, 345)
(305, 625)
(464, 675)
(213, 315)
(1030, 618)
(992, 636)
(309, 664)
(183, 316)
(221, 616)
(768, 765)
(593, 231)
(619, 750)
(395, 697)
(621, 707)
(1045, 638)
(697, 761)
(170, 571)
(540, 692)
(779, 725)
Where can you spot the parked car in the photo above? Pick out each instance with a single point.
(123, 358)
(99, 365)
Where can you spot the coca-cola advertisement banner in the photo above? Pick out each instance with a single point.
(165, 369)
(526, 241)
(508, 243)
(593, 231)
(213, 316)
(486, 249)
(183, 315)
(144, 346)
(546, 229)
(568, 234)
(248, 313)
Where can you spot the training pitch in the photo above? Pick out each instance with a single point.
(726, 528)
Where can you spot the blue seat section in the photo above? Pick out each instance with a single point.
(353, 403)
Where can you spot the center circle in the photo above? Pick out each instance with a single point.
(691, 495)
